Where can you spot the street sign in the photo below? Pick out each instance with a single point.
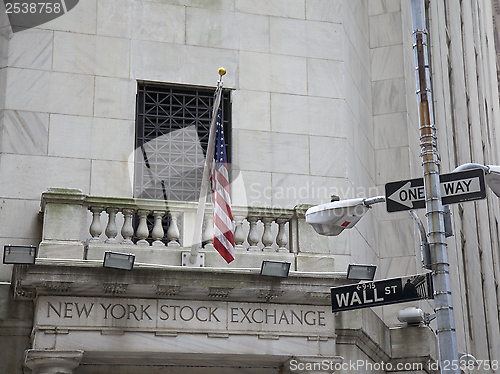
(455, 188)
(382, 292)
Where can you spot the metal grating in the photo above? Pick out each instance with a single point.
(172, 126)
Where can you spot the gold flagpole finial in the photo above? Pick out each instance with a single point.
(222, 71)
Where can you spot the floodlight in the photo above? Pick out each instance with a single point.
(361, 272)
(275, 268)
(19, 254)
(115, 260)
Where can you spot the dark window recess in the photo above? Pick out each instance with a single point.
(171, 136)
(172, 129)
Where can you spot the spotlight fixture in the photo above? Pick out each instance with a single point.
(115, 260)
(19, 254)
(275, 268)
(361, 272)
(411, 315)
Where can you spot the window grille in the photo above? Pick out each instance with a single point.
(172, 129)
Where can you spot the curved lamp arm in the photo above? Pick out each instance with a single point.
(470, 166)
(491, 175)
(373, 200)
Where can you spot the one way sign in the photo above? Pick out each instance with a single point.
(455, 188)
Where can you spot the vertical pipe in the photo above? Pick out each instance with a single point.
(447, 339)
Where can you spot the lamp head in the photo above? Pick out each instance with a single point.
(411, 315)
(492, 178)
(332, 218)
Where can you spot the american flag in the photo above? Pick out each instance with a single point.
(223, 218)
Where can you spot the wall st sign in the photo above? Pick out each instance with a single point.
(383, 292)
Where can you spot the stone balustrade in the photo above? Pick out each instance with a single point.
(252, 237)
(119, 214)
(78, 226)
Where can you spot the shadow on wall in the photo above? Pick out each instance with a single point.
(170, 167)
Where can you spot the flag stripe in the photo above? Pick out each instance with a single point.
(221, 199)
(222, 224)
(223, 195)
(221, 227)
(225, 254)
(222, 180)
(227, 239)
(224, 214)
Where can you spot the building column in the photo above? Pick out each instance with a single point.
(45, 361)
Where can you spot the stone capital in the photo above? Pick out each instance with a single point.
(45, 361)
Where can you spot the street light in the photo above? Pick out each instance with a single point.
(411, 315)
(332, 218)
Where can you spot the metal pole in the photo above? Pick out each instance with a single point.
(446, 334)
(195, 247)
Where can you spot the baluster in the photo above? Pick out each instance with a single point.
(111, 230)
(282, 238)
(267, 237)
(127, 229)
(208, 232)
(239, 234)
(158, 232)
(142, 229)
(173, 233)
(253, 235)
(96, 227)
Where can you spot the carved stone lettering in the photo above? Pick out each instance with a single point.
(176, 315)
(187, 313)
(277, 316)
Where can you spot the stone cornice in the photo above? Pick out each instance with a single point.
(89, 278)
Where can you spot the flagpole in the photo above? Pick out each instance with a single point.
(195, 247)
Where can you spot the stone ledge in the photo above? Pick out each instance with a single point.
(169, 255)
(90, 278)
(61, 249)
(318, 262)
(54, 330)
